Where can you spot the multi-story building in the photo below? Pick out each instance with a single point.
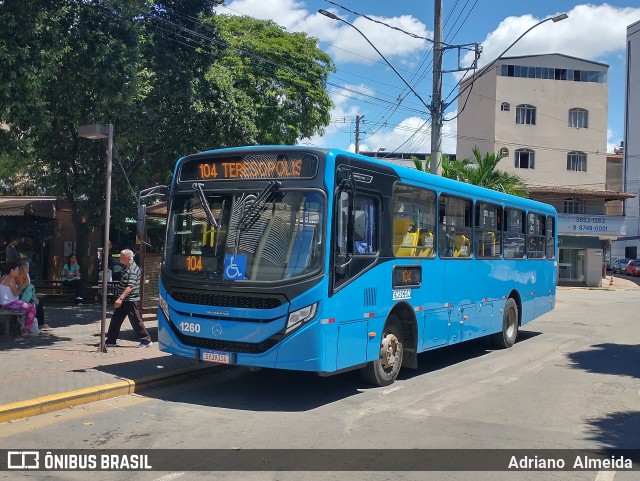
(547, 115)
(628, 245)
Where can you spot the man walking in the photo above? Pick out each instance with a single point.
(127, 303)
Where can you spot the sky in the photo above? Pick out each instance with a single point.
(395, 119)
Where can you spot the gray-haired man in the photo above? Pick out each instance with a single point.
(127, 303)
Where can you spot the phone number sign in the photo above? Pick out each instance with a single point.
(591, 225)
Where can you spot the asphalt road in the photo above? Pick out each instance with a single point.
(570, 382)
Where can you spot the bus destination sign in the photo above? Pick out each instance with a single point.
(250, 167)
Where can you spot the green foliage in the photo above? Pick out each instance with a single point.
(284, 75)
(173, 79)
(481, 171)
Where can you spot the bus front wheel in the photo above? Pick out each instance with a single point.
(385, 370)
(507, 337)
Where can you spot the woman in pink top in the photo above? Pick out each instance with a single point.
(9, 297)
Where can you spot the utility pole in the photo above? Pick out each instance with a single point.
(358, 120)
(436, 102)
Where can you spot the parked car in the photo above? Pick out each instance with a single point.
(620, 264)
(633, 268)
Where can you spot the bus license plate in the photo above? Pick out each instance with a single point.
(216, 356)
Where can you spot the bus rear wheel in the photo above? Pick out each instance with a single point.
(507, 337)
(384, 371)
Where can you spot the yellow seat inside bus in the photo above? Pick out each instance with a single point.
(409, 241)
(461, 246)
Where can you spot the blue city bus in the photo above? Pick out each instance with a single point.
(322, 260)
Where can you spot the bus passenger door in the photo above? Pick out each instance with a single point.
(435, 328)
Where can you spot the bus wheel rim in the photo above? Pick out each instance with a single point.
(389, 352)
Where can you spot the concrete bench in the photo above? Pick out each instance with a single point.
(10, 322)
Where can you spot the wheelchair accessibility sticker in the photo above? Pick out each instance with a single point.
(235, 267)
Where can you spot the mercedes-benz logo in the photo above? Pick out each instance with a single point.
(216, 330)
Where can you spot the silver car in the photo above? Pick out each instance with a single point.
(620, 264)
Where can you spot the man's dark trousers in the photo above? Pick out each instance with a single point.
(127, 309)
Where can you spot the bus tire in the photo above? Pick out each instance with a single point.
(507, 336)
(384, 371)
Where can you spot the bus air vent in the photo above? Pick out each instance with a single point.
(225, 300)
(370, 296)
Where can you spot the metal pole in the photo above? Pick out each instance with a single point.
(436, 104)
(358, 119)
(105, 248)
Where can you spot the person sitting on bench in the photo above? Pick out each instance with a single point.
(29, 294)
(9, 298)
(71, 278)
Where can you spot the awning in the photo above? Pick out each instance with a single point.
(37, 206)
(557, 191)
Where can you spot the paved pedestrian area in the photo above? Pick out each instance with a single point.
(62, 366)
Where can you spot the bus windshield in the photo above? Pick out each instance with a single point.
(271, 235)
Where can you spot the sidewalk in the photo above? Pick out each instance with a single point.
(620, 283)
(62, 367)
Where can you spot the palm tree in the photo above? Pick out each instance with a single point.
(481, 171)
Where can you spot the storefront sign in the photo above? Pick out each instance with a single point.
(591, 225)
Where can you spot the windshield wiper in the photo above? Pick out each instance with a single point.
(205, 205)
(252, 213)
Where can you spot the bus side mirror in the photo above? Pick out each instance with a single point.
(141, 224)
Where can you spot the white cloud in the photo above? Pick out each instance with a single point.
(346, 44)
(342, 114)
(413, 134)
(287, 13)
(613, 141)
(590, 32)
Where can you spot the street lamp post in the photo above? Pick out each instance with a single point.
(97, 131)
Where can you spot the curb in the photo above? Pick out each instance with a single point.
(55, 402)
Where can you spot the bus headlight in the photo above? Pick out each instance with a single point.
(299, 317)
(164, 306)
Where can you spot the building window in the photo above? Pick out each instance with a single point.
(578, 118)
(577, 161)
(526, 114)
(505, 106)
(525, 159)
(503, 152)
(574, 206)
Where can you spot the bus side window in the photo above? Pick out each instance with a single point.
(413, 222)
(514, 241)
(488, 223)
(550, 231)
(536, 237)
(455, 227)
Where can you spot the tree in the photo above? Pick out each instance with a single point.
(171, 76)
(284, 74)
(66, 63)
(481, 171)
